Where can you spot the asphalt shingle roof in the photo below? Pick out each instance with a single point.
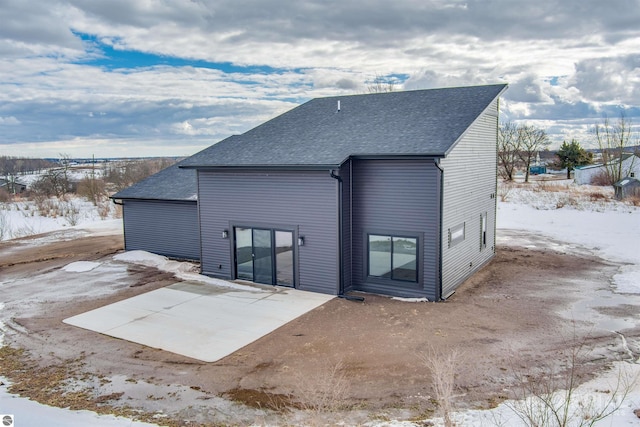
(172, 183)
(422, 122)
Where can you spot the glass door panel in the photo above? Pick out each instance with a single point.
(262, 256)
(284, 258)
(244, 253)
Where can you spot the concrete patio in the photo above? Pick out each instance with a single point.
(201, 321)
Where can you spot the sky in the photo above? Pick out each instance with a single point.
(122, 78)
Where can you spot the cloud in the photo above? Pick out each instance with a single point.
(9, 121)
(567, 62)
(610, 79)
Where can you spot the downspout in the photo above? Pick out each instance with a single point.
(340, 260)
(437, 165)
(340, 238)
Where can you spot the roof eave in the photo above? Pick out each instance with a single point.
(153, 199)
(262, 167)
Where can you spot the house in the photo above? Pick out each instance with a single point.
(585, 174)
(160, 214)
(627, 187)
(390, 193)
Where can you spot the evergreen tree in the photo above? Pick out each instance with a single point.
(572, 155)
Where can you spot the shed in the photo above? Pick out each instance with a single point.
(160, 214)
(627, 187)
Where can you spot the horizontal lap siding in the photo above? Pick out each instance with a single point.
(396, 196)
(164, 228)
(469, 190)
(306, 200)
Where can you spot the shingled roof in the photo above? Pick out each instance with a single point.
(172, 183)
(318, 134)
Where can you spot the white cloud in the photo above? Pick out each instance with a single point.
(609, 79)
(9, 121)
(566, 62)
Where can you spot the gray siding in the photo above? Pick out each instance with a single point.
(396, 197)
(162, 227)
(306, 201)
(469, 188)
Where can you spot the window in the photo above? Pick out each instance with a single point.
(393, 257)
(456, 235)
(483, 231)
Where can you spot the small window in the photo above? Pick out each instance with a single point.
(393, 257)
(483, 231)
(456, 235)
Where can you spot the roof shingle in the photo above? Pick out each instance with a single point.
(421, 122)
(172, 183)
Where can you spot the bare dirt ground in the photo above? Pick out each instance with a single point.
(357, 361)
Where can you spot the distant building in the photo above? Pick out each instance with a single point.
(585, 174)
(627, 187)
(12, 186)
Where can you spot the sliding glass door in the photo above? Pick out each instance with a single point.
(284, 257)
(264, 255)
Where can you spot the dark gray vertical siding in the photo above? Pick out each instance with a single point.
(396, 196)
(469, 190)
(306, 200)
(162, 227)
(345, 173)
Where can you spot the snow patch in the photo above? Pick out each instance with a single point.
(410, 299)
(182, 270)
(628, 281)
(29, 413)
(2, 326)
(81, 266)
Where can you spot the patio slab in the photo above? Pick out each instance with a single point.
(197, 320)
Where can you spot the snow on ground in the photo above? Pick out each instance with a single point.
(584, 216)
(608, 227)
(81, 266)
(27, 413)
(23, 218)
(183, 270)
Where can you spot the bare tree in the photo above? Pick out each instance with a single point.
(508, 147)
(531, 140)
(613, 140)
(380, 85)
(123, 174)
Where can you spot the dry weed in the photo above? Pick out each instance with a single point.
(443, 367)
(323, 394)
(503, 191)
(549, 396)
(633, 200)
